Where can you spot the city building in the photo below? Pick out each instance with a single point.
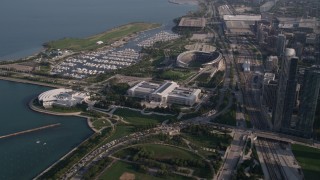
(309, 98)
(167, 93)
(251, 18)
(281, 44)
(269, 90)
(192, 23)
(271, 64)
(272, 43)
(143, 89)
(286, 92)
(267, 6)
(300, 37)
(240, 24)
(246, 66)
(184, 96)
(161, 94)
(299, 49)
(269, 77)
(311, 39)
(188, 58)
(62, 98)
(224, 10)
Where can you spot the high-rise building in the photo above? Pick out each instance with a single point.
(299, 49)
(309, 98)
(286, 93)
(271, 64)
(281, 44)
(269, 90)
(272, 43)
(300, 37)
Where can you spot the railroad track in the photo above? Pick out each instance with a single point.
(272, 160)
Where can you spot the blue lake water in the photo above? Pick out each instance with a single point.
(26, 24)
(21, 157)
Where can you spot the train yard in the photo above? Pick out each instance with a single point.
(278, 159)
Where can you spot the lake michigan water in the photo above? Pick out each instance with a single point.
(24, 26)
(25, 156)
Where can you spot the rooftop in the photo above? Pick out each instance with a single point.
(146, 87)
(63, 97)
(242, 17)
(183, 92)
(201, 47)
(272, 58)
(192, 22)
(269, 76)
(164, 87)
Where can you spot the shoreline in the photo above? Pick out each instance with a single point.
(44, 46)
(24, 81)
(32, 107)
(76, 114)
(62, 158)
(181, 2)
(100, 36)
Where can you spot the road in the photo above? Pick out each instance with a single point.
(233, 154)
(78, 169)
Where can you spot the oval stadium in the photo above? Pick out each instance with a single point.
(196, 58)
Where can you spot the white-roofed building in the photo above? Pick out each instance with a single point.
(161, 94)
(242, 18)
(246, 66)
(184, 96)
(143, 89)
(61, 97)
(168, 92)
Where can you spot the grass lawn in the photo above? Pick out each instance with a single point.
(120, 131)
(309, 159)
(44, 69)
(118, 168)
(206, 141)
(90, 43)
(136, 118)
(229, 118)
(64, 110)
(175, 75)
(100, 123)
(204, 77)
(168, 152)
(160, 152)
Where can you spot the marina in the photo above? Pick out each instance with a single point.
(162, 36)
(98, 62)
(110, 58)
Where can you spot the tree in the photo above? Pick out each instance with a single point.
(143, 168)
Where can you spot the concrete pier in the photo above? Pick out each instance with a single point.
(30, 130)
